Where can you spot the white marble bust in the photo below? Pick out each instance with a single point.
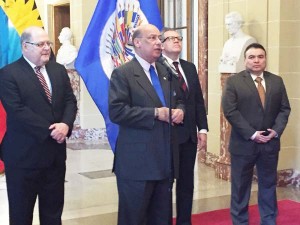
(232, 59)
(67, 53)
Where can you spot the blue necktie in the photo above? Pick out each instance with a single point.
(156, 85)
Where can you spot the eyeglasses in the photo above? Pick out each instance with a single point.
(153, 38)
(172, 38)
(40, 44)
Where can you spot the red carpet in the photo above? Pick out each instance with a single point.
(289, 214)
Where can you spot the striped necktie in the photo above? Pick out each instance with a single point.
(42, 80)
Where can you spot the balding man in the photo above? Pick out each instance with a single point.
(41, 107)
(139, 104)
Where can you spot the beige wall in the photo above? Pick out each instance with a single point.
(81, 13)
(275, 25)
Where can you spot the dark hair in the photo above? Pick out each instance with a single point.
(254, 45)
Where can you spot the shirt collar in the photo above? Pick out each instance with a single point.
(32, 64)
(144, 63)
(170, 61)
(254, 76)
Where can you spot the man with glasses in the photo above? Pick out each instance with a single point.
(194, 127)
(139, 104)
(41, 107)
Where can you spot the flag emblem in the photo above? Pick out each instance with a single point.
(117, 34)
(107, 44)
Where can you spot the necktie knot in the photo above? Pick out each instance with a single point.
(151, 69)
(175, 64)
(258, 80)
(37, 69)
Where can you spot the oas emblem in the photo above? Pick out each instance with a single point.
(115, 42)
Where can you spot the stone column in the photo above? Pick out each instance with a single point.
(222, 165)
(202, 56)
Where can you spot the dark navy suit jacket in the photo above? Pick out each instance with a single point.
(27, 143)
(195, 112)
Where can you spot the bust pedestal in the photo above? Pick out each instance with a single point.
(222, 164)
(75, 84)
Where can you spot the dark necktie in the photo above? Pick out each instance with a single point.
(180, 78)
(42, 80)
(156, 85)
(261, 90)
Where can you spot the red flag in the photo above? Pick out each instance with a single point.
(2, 131)
(2, 122)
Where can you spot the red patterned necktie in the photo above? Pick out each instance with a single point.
(42, 80)
(261, 90)
(180, 78)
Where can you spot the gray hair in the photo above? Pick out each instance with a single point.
(25, 36)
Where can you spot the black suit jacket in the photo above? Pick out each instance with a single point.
(27, 143)
(142, 150)
(195, 113)
(244, 111)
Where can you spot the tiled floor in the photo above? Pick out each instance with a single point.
(91, 196)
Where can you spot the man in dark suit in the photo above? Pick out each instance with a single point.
(142, 161)
(194, 127)
(41, 109)
(256, 105)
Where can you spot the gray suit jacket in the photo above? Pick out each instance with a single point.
(243, 109)
(142, 149)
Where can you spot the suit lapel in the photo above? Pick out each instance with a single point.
(268, 88)
(28, 70)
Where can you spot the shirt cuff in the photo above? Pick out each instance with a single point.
(253, 136)
(202, 131)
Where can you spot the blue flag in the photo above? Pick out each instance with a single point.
(107, 44)
(15, 16)
(10, 47)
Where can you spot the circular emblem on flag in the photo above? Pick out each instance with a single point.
(115, 42)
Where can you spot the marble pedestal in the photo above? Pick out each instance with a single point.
(222, 164)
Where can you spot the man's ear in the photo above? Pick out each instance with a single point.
(24, 46)
(137, 42)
